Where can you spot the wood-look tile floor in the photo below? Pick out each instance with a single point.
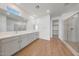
(40, 47)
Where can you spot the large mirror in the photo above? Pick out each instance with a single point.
(12, 23)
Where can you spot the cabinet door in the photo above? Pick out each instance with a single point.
(27, 39)
(24, 40)
(36, 35)
(11, 47)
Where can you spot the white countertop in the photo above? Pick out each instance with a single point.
(4, 35)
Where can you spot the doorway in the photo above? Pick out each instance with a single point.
(55, 28)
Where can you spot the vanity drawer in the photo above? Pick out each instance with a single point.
(8, 40)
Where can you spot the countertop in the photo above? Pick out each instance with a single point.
(4, 35)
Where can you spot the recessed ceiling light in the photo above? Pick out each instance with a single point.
(31, 17)
(37, 6)
(66, 4)
(48, 11)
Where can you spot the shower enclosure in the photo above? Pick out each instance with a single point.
(71, 31)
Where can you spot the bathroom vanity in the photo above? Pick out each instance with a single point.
(14, 34)
(12, 42)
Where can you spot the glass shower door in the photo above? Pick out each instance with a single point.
(71, 30)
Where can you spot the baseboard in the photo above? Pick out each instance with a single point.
(44, 39)
(70, 48)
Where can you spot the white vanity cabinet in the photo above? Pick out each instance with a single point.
(31, 38)
(11, 45)
(28, 38)
(24, 40)
(36, 35)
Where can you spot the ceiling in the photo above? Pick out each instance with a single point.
(54, 9)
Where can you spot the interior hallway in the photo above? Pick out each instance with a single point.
(54, 47)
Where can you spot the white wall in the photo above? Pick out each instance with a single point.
(31, 23)
(61, 28)
(3, 26)
(44, 27)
